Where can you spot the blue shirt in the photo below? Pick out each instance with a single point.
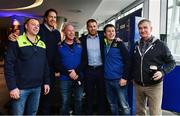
(93, 50)
(70, 58)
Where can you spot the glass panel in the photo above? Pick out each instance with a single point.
(173, 28)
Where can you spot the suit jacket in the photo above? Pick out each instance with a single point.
(84, 59)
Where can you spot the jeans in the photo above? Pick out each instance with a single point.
(67, 88)
(27, 103)
(117, 97)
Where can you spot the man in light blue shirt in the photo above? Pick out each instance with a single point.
(92, 65)
(93, 49)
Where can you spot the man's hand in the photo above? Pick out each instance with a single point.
(57, 74)
(12, 37)
(15, 93)
(118, 39)
(122, 82)
(73, 74)
(158, 75)
(46, 89)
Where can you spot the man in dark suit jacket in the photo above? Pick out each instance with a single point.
(92, 64)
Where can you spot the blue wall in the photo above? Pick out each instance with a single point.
(171, 93)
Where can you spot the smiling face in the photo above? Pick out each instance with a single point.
(92, 28)
(51, 19)
(69, 32)
(110, 33)
(145, 30)
(32, 27)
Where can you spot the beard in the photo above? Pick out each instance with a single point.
(93, 33)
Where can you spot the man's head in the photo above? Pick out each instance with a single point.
(69, 31)
(109, 31)
(145, 29)
(92, 27)
(16, 29)
(17, 32)
(50, 17)
(31, 26)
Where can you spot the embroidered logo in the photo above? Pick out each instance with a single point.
(115, 45)
(79, 46)
(24, 42)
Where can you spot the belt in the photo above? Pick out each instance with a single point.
(94, 67)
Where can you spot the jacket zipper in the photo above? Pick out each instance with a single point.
(142, 57)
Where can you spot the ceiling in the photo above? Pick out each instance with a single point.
(75, 11)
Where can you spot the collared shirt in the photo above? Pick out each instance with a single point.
(107, 45)
(144, 45)
(93, 50)
(50, 29)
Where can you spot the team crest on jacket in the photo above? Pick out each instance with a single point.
(115, 45)
(61, 45)
(24, 42)
(79, 46)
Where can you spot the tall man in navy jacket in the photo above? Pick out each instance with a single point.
(51, 36)
(92, 64)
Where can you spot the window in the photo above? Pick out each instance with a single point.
(112, 22)
(173, 28)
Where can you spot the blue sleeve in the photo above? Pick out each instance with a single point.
(10, 61)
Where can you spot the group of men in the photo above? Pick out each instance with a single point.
(99, 64)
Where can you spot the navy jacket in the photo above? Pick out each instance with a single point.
(51, 39)
(84, 50)
(26, 64)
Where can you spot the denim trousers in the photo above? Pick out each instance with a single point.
(117, 97)
(67, 89)
(27, 103)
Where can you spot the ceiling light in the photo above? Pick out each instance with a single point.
(35, 4)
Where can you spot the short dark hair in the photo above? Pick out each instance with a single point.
(27, 20)
(91, 21)
(144, 20)
(47, 13)
(108, 25)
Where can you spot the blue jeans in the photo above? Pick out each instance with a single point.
(29, 100)
(117, 97)
(67, 88)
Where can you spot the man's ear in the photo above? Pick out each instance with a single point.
(151, 28)
(25, 26)
(45, 19)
